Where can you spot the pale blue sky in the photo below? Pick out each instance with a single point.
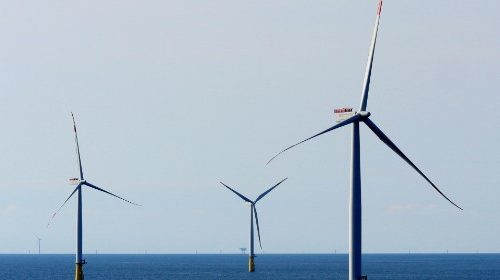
(172, 97)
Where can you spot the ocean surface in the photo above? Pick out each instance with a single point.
(268, 266)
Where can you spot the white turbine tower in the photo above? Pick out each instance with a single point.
(80, 182)
(355, 196)
(253, 212)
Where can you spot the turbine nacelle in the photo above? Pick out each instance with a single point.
(74, 181)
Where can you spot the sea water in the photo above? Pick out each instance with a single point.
(268, 266)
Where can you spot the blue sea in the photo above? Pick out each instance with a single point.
(268, 266)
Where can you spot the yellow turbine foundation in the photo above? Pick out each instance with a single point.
(251, 264)
(79, 271)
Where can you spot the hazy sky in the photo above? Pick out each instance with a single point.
(172, 97)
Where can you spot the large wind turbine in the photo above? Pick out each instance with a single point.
(253, 211)
(80, 182)
(355, 196)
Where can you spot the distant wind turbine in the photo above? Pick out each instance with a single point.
(39, 239)
(253, 212)
(355, 196)
(80, 182)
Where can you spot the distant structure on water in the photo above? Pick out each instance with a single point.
(39, 239)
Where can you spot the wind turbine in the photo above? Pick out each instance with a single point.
(253, 211)
(39, 239)
(80, 182)
(355, 193)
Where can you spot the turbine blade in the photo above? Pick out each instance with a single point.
(269, 190)
(393, 147)
(237, 193)
(77, 147)
(59, 209)
(350, 120)
(369, 64)
(105, 191)
(257, 222)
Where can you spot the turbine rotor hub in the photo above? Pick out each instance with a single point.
(365, 114)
